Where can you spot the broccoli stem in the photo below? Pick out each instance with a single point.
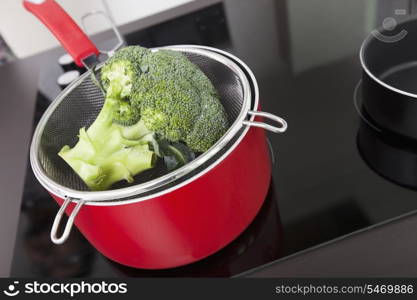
(107, 152)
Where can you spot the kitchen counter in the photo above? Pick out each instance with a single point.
(18, 88)
(329, 210)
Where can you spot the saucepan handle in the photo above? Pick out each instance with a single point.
(70, 35)
(282, 124)
(54, 231)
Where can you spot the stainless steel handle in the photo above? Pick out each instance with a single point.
(276, 129)
(120, 40)
(68, 226)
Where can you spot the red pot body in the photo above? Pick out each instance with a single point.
(188, 223)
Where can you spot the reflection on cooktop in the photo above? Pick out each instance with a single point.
(390, 155)
(394, 158)
(331, 222)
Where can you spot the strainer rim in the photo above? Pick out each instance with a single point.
(126, 192)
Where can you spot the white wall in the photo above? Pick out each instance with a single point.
(313, 25)
(316, 24)
(27, 36)
(247, 36)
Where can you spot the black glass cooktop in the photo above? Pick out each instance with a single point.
(330, 176)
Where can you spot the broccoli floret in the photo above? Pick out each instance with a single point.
(169, 108)
(116, 146)
(117, 77)
(155, 102)
(210, 125)
(178, 101)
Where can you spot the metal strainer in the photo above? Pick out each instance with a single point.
(78, 106)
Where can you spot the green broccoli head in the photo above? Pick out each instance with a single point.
(209, 126)
(178, 101)
(168, 108)
(118, 76)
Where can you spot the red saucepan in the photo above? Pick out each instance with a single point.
(175, 219)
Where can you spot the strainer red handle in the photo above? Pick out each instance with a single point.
(69, 34)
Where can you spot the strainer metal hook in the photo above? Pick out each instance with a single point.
(120, 40)
(282, 124)
(55, 226)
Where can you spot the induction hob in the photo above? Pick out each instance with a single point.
(322, 187)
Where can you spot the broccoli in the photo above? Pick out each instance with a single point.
(172, 96)
(178, 101)
(108, 152)
(117, 78)
(157, 104)
(117, 145)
